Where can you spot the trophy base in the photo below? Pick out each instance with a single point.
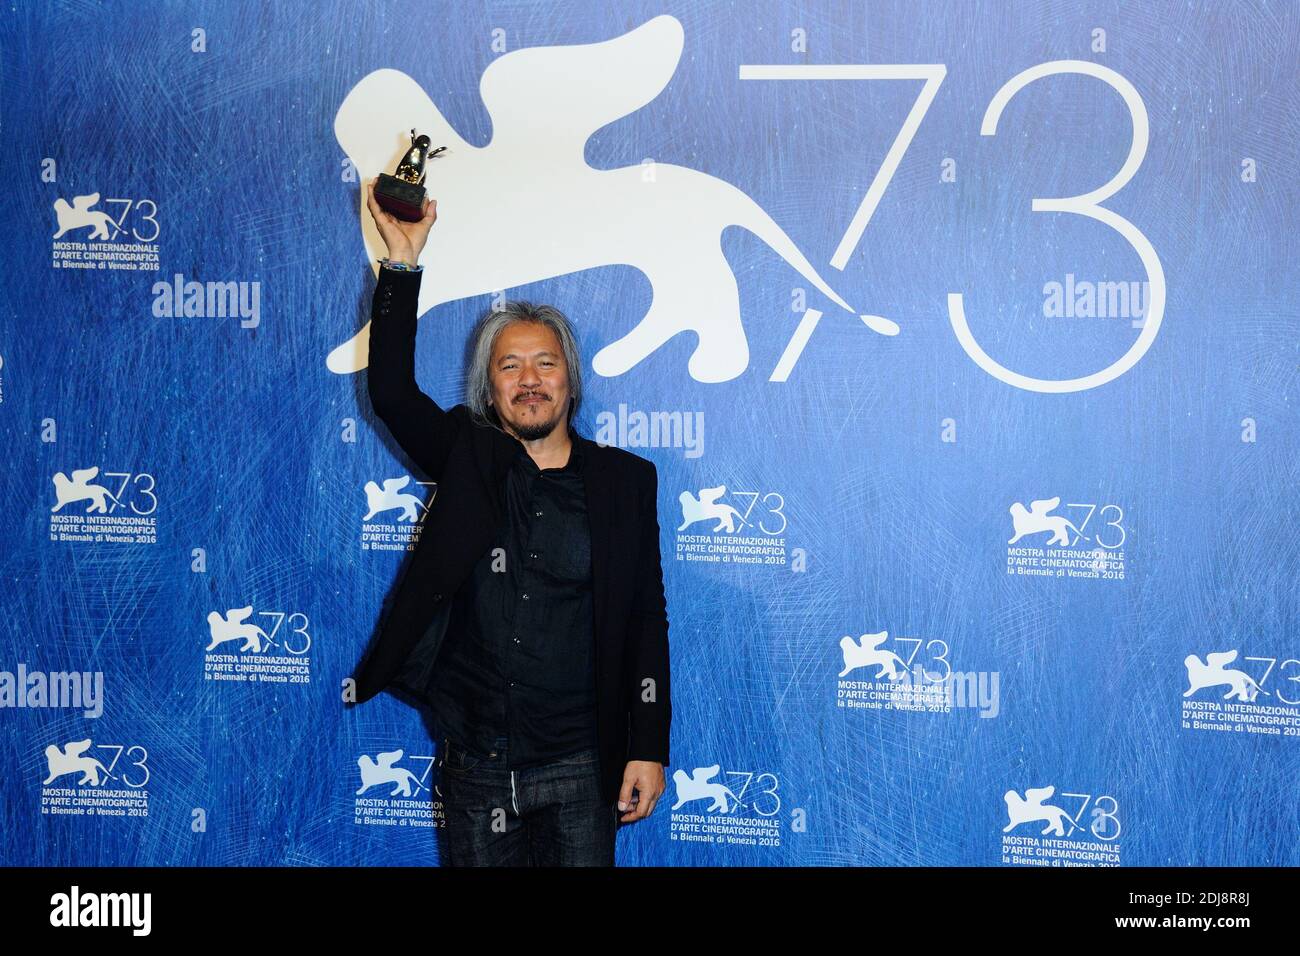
(404, 200)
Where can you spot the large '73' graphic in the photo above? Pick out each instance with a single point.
(1085, 204)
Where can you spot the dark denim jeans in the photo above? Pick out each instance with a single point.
(551, 815)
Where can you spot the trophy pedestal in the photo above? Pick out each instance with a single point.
(404, 200)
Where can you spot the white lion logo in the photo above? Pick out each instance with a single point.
(1032, 807)
(1037, 520)
(389, 498)
(79, 215)
(1214, 672)
(544, 103)
(382, 770)
(78, 488)
(233, 627)
(698, 787)
(706, 508)
(72, 759)
(866, 652)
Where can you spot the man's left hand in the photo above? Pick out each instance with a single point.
(647, 777)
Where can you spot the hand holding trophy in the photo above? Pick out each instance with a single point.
(402, 212)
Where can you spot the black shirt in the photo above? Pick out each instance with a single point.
(517, 660)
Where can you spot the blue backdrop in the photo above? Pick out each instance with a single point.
(977, 441)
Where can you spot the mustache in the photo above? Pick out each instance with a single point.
(523, 395)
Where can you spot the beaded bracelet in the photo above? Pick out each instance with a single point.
(400, 266)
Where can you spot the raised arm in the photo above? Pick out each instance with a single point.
(423, 429)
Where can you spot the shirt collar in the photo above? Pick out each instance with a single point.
(575, 456)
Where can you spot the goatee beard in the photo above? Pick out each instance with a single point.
(536, 431)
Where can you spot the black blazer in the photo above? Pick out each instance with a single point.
(469, 463)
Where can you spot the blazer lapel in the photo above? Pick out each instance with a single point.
(597, 481)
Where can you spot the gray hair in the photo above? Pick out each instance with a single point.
(478, 387)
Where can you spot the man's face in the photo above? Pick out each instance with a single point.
(530, 382)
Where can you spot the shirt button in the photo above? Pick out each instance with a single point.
(525, 595)
(532, 554)
(537, 514)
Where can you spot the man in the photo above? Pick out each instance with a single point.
(531, 618)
